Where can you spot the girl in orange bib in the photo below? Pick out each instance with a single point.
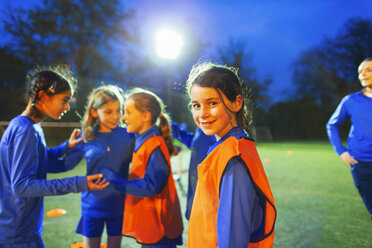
(233, 204)
(152, 209)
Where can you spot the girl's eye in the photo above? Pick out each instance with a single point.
(195, 106)
(212, 103)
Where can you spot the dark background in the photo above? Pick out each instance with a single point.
(299, 59)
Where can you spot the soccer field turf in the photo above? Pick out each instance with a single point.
(317, 203)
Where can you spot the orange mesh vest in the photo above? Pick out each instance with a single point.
(149, 219)
(202, 231)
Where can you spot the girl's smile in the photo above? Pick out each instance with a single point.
(206, 123)
(55, 106)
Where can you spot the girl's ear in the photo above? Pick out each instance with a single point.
(93, 113)
(41, 94)
(238, 104)
(147, 116)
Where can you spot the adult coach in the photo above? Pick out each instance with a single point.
(358, 153)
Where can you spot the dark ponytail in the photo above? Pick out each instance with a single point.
(165, 131)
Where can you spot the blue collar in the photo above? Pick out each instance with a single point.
(236, 132)
(27, 118)
(140, 138)
(95, 130)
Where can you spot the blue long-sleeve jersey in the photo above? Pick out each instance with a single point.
(199, 144)
(24, 163)
(155, 177)
(358, 108)
(238, 198)
(157, 170)
(112, 150)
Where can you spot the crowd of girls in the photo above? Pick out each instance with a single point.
(127, 141)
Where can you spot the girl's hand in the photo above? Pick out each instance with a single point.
(349, 160)
(115, 179)
(74, 140)
(96, 182)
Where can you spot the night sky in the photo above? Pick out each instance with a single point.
(274, 31)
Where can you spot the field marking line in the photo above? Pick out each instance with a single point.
(66, 220)
(310, 192)
(61, 199)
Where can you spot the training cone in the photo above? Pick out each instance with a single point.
(267, 160)
(289, 153)
(77, 245)
(56, 212)
(81, 245)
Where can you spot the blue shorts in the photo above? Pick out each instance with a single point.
(93, 227)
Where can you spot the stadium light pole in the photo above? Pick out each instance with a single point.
(168, 46)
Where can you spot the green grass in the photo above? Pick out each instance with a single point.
(317, 203)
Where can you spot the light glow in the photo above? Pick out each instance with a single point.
(168, 44)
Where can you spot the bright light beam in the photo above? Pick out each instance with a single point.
(168, 44)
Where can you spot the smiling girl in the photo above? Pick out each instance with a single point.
(25, 160)
(233, 204)
(106, 144)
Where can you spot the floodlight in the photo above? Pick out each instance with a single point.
(168, 44)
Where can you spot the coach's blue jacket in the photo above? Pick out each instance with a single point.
(358, 108)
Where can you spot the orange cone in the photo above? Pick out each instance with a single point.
(56, 212)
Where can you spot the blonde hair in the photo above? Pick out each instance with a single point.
(97, 98)
(147, 101)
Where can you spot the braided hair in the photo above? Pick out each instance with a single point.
(52, 80)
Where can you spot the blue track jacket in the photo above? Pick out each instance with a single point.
(358, 108)
(24, 163)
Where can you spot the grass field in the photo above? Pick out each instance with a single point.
(317, 203)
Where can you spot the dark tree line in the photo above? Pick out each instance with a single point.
(322, 75)
(99, 40)
(329, 71)
(79, 33)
